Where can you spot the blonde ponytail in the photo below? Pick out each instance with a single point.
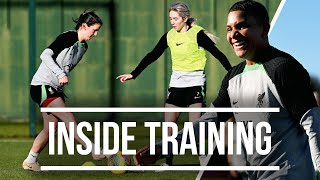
(213, 38)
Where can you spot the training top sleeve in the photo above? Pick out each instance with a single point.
(151, 56)
(64, 40)
(295, 90)
(205, 42)
(311, 124)
(47, 58)
(49, 55)
(293, 83)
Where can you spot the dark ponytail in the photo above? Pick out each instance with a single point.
(88, 17)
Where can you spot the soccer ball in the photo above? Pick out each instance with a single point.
(119, 160)
(88, 163)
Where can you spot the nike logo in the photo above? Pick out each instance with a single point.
(50, 90)
(178, 44)
(234, 102)
(197, 96)
(33, 155)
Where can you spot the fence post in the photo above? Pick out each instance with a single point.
(32, 64)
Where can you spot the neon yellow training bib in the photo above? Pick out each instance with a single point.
(185, 52)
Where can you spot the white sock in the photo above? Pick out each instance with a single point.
(32, 157)
(93, 148)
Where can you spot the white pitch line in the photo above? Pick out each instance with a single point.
(97, 110)
(165, 168)
(16, 140)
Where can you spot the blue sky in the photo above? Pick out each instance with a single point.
(297, 31)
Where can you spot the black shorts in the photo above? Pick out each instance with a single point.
(184, 97)
(44, 94)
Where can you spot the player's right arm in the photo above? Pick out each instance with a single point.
(124, 77)
(47, 58)
(152, 56)
(48, 55)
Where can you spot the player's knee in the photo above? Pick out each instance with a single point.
(67, 117)
(47, 128)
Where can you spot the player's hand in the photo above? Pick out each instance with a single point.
(63, 81)
(124, 77)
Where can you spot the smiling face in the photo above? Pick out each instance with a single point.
(246, 35)
(178, 22)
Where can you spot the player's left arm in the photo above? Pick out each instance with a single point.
(311, 123)
(298, 98)
(205, 42)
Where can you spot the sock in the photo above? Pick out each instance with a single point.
(32, 157)
(93, 148)
(108, 156)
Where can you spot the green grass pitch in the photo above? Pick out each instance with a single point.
(15, 145)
